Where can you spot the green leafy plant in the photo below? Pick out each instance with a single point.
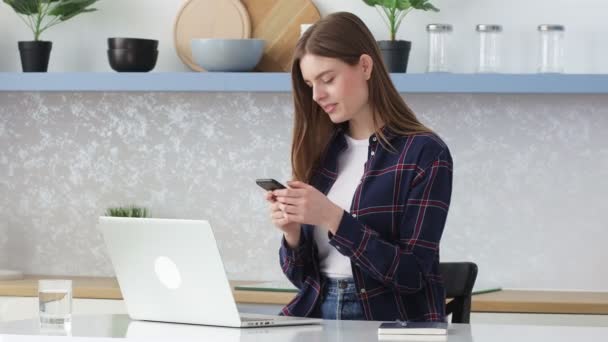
(130, 211)
(393, 11)
(40, 15)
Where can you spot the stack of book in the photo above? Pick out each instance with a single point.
(413, 331)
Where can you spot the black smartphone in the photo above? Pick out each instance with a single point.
(269, 184)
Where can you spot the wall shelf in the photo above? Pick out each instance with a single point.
(280, 82)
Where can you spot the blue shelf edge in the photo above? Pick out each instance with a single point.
(281, 82)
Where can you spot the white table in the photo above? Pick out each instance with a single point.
(107, 327)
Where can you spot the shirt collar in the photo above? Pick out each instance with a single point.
(338, 144)
(341, 130)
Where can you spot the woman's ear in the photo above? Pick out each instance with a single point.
(367, 64)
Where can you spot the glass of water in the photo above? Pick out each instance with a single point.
(55, 301)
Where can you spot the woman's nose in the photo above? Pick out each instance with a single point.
(318, 94)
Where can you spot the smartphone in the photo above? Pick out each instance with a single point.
(269, 184)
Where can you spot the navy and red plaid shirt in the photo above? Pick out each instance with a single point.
(391, 233)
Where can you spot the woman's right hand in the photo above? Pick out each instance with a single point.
(291, 230)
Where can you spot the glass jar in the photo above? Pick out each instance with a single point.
(551, 48)
(439, 37)
(489, 59)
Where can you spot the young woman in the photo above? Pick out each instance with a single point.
(363, 218)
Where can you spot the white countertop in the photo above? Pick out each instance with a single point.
(119, 326)
(506, 300)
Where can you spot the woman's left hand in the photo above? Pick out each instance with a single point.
(305, 204)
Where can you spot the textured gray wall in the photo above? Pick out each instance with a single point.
(531, 174)
(3, 230)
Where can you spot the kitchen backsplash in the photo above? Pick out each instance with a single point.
(530, 178)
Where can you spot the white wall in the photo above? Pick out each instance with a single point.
(528, 203)
(80, 44)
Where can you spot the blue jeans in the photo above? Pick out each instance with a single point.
(339, 300)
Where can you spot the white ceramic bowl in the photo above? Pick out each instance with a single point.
(214, 54)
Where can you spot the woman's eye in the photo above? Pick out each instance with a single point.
(329, 80)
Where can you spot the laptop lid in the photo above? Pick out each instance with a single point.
(170, 270)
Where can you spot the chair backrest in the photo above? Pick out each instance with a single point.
(459, 279)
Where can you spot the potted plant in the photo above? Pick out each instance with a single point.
(39, 16)
(395, 53)
(130, 211)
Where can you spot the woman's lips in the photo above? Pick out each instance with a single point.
(330, 108)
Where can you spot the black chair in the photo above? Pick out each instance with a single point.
(459, 279)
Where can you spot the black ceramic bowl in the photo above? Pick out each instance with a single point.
(132, 43)
(132, 60)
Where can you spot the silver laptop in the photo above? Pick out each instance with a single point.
(171, 271)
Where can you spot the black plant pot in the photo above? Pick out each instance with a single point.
(35, 55)
(395, 54)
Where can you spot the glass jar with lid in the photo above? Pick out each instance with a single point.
(490, 45)
(551, 48)
(439, 39)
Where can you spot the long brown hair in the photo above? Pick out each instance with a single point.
(343, 36)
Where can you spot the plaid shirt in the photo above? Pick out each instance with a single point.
(391, 233)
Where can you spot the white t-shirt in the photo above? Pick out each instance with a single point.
(350, 171)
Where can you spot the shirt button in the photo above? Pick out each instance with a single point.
(354, 215)
(373, 153)
(362, 290)
(337, 247)
(374, 139)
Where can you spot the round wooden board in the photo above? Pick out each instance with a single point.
(278, 23)
(208, 19)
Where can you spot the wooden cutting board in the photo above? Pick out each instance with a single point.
(208, 19)
(278, 22)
